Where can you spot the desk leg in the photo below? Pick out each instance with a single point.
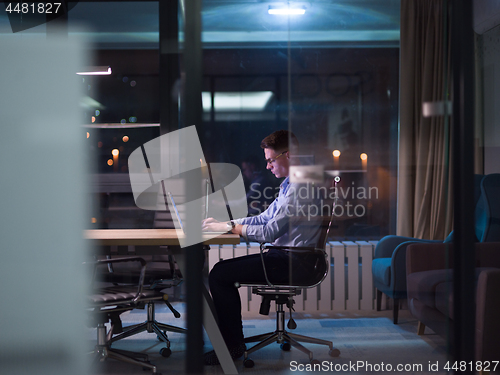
(210, 323)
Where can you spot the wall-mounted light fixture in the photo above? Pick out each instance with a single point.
(285, 10)
(254, 101)
(96, 71)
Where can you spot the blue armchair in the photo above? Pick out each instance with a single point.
(389, 263)
(487, 213)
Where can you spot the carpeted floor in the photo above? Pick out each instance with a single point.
(368, 341)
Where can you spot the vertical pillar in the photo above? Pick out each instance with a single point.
(169, 66)
(192, 115)
(463, 169)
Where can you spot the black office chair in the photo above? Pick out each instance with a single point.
(106, 303)
(161, 273)
(283, 295)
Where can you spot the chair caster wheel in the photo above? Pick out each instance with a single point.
(334, 353)
(315, 362)
(248, 363)
(286, 346)
(165, 352)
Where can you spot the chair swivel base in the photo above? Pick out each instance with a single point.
(151, 326)
(286, 339)
(102, 352)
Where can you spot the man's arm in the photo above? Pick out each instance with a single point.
(297, 218)
(275, 227)
(213, 225)
(277, 223)
(261, 219)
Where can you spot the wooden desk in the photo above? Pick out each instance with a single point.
(150, 237)
(168, 237)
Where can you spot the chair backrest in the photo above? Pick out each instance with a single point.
(160, 266)
(328, 219)
(321, 268)
(477, 195)
(477, 187)
(487, 213)
(326, 224)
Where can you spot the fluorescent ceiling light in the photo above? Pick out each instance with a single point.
(236, 101)
(285, 11)
(96, 71)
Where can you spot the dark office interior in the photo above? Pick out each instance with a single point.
(394, 106)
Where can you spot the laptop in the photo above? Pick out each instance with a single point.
(178, 216)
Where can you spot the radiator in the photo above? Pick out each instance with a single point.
(348, 285)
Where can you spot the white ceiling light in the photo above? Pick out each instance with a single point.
(96, 71)
(236, 101)
(285, 11)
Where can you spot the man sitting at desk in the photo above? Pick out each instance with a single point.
(281, 224)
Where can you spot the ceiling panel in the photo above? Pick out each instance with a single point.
(134, 24)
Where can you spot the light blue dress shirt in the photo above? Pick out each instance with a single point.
(293, 219)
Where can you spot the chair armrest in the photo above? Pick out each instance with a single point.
(294, 249)
(427, 257)
(386, 246)
(122, 260)
(398, 264)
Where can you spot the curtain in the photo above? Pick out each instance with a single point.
(424, 171)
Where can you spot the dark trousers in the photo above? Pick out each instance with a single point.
(248, 269)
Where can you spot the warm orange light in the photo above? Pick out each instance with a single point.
(88, 135)
(363, 156)
(93, 220)
(93, 119)
(125, 138)
(110, 162)
(115, 152)
(336, 153)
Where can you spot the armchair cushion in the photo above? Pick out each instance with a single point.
(431, 259)
(434, 288)
(389, 272)
(487, 322)
(444, 298)
(424, 285)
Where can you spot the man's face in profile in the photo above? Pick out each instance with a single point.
(277, 162)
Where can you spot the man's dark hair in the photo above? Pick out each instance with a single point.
(278, 141)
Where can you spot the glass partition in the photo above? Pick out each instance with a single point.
(362, 107)
(332, 82)
(122, 109)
